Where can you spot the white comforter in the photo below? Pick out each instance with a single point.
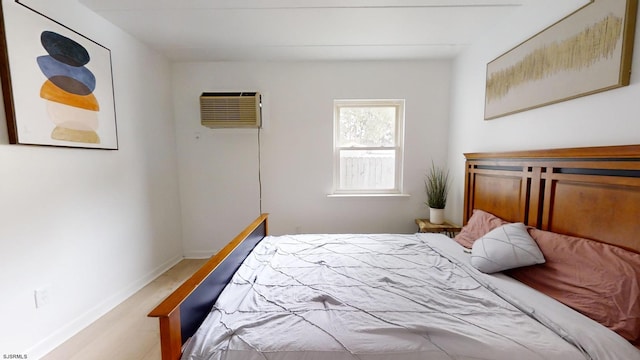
(374, 297)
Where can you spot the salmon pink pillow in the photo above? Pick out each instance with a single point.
(599, 280)
(480, 223)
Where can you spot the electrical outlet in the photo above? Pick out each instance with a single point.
(42, 297)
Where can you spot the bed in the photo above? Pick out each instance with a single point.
(580, 202)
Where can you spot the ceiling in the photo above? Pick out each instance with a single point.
(236, 30)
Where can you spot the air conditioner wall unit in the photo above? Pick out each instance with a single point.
(231, 109)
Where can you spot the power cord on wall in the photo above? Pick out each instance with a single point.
(259, 174)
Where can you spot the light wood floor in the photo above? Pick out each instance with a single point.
(126, 333)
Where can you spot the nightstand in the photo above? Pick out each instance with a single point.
(424, 226)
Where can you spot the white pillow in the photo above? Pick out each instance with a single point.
(506, 247)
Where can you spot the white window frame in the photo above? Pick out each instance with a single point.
(399, 104)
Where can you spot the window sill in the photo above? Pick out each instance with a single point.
(366, 195)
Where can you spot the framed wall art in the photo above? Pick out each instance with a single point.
(588, 51)
(57, 84)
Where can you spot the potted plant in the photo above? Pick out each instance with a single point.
(436, 185)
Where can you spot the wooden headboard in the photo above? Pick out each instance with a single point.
(590, 192)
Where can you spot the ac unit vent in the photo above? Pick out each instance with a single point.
(230, 109)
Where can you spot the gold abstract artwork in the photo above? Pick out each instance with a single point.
(586, 52)
(591, 45)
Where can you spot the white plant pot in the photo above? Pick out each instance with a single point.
(436, 216)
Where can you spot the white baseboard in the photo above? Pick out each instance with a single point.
(82, 321)
(198, 255)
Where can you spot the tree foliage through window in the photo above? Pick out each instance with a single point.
(367, 126)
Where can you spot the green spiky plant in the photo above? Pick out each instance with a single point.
(437, 184)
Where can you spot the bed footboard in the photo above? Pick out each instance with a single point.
(182, 312)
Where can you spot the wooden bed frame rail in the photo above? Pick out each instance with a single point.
(182, 312)
(591, 192)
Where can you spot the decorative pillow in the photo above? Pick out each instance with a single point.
(480, 223)
(599, 280)
(506, 247)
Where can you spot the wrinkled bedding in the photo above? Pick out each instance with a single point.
(383, 296)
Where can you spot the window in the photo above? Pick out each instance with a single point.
(368, 147)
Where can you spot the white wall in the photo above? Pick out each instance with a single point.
(91, 225)
(219, 168)
(608, 118)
